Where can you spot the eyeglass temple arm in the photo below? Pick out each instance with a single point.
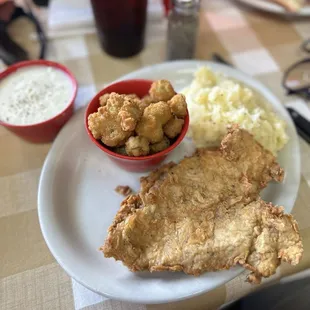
(40, 32)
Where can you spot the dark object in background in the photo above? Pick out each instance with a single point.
(302, 125)
(10, 52)
(41, 2)
(120, 25)
(283, 296)
(296, 79)
(183, 21)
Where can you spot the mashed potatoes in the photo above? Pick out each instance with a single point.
(215, 102)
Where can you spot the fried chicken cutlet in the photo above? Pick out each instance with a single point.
(204, 214)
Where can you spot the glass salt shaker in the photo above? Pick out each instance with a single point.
(183, 23)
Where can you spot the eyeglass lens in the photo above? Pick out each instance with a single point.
(298, 77)
(306, 46)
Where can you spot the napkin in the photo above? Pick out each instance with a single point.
(84, 298)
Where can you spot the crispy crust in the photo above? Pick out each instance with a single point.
(204, 214)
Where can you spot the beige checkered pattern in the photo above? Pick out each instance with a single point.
(258, 43)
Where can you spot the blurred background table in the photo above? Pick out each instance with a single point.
(258, 43)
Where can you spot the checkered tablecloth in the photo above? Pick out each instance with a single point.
(258, 43)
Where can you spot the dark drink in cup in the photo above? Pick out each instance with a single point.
(120, 25)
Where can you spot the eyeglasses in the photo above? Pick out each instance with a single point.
(10, 51)
(296, 79)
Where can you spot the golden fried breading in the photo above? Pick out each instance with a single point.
(150, 128)
(124, 190)
(103, 127)
(204, 214)
(137, 146)
(104, 99)
(96, 124)
(178, 105)
(122, 115)
(110, 131)
(160, 146)
(160, 110)
(256, 235)
(132, 96)
(173, 127)
(142, 105)
(151, 123)
(145, 102)
(161, 90)
(125, 109)
(130, 114)
(116, 120)
(114, 103)
(148, 100)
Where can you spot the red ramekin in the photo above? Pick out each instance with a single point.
(129, 163)
(45, 131)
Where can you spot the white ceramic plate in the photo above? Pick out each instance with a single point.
(275, 8)
(77, 202)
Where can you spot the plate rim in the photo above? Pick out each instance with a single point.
(43, 180)
(275, 8)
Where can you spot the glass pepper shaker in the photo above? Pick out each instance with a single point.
(183, 23)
